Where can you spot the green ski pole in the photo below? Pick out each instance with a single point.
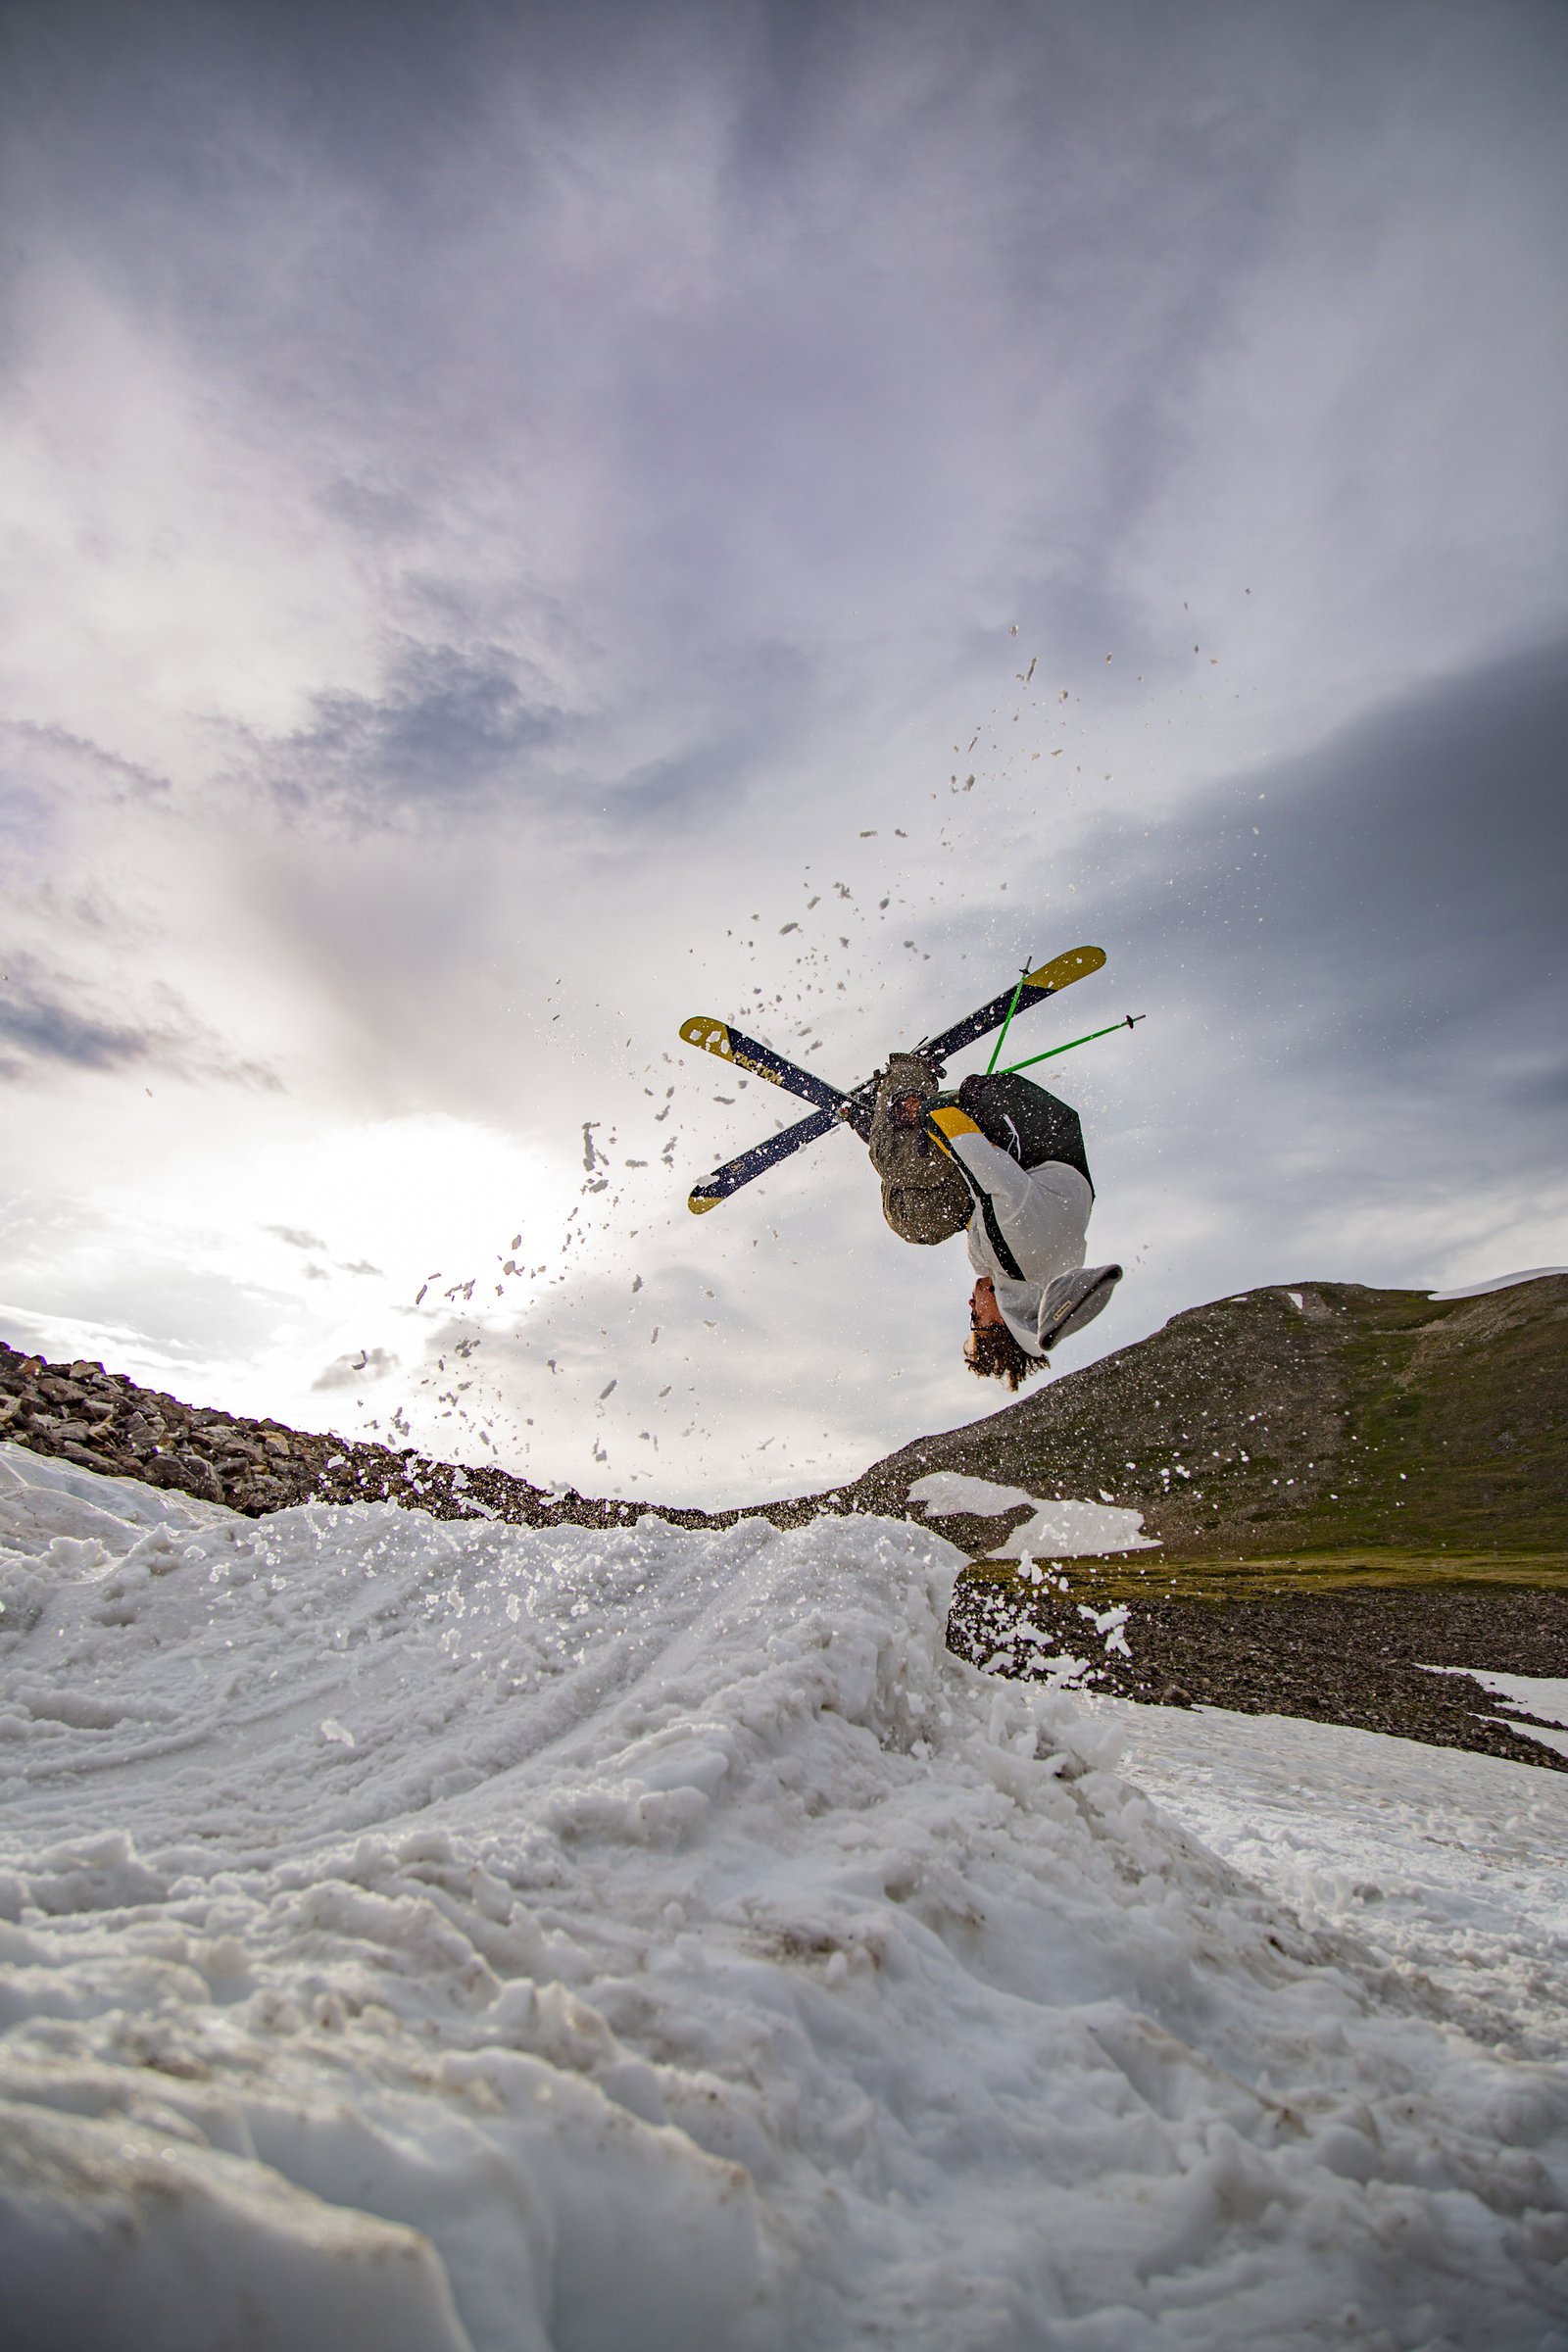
(1007, 1023)
(1129, 1020)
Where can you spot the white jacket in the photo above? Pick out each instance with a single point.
(1042, 1214)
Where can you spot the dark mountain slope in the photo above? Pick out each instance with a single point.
(1255, 1428)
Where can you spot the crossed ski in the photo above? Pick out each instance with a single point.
(833, 1105)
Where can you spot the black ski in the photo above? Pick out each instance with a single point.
(1049, 981)
(758, 1160)
(733, 1044)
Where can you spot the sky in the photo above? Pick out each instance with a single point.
(524, 524)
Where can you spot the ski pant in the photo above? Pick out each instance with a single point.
(924, 1198)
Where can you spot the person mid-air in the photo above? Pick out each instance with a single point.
(1005, 1160)
(1002, 1157)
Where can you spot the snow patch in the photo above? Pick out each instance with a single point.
(690, 1951)
(1443, 1863)
(1497, 1282)
(1062, 1531)
(946, 1492)
(1069, 1530)
(1542, 1695)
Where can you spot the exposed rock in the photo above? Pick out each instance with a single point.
(61, 1428)
(188, 1472)
(107, 1423)
(260, 1495)
(91, 1457)
(1360, 1656)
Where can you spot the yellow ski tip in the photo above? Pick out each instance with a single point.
(1063, 970)
(712, 1036)
(697, 1201)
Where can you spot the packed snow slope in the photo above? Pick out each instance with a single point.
(438, 1934)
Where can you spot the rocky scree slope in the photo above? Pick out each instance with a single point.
(104, 1422)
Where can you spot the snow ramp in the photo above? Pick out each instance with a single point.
(451, 1936)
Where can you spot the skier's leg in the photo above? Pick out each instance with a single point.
(1075, 1293)
(924, 1198)
(1061, 1202)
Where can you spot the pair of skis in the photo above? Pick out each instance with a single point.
(834, 1106)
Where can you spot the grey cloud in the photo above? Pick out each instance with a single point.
(1429, 844)
(748, 714)
(297, 1237)
(68, 759)
(34, 1015)
(1399, 882)
(453, 726)
(760, 380)
(55, 1021)
(796, 323)
(1365, 998)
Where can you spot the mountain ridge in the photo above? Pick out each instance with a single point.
(1253, 1427)
(1248, 1427)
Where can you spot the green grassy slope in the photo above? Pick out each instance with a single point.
(1361, 1421)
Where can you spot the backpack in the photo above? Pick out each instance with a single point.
(1025, 1121)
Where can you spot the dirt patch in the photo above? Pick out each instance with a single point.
(1351, 1657)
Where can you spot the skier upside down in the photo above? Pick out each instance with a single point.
(1003, 1160)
